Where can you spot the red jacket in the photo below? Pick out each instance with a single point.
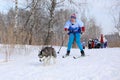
(101, 38)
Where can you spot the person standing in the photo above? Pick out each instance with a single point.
(102, 41)
(75, 28)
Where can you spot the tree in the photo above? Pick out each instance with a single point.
(93, 30)
(115, 12)
(41, 22)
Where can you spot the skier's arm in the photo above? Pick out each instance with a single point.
(66, 26)
(81, 25)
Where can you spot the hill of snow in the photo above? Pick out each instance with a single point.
(101, 64)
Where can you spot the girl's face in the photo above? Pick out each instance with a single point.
(73, 20)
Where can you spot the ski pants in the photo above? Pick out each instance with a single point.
(77, 37)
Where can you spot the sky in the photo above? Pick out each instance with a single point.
(100, 9)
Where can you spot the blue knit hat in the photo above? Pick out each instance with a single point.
(73, 16)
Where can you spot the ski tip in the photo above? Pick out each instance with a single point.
(79, 56)
(74, 57)
(64, 56)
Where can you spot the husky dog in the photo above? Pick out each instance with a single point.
(46, 54)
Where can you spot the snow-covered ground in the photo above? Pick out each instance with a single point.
(101, 64)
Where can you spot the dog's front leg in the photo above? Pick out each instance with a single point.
(54, 60)
(48, 60)
(43, 60)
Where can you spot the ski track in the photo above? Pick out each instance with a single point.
(101, 64)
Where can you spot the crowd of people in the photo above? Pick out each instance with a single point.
(98, 43)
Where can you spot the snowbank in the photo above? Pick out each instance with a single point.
(101, 64)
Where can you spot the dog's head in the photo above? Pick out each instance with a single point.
(42, 55)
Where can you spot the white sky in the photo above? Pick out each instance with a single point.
(100, 9)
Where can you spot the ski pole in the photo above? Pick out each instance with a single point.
(61, 45)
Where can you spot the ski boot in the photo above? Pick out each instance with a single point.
(67, 54)
(82, 53)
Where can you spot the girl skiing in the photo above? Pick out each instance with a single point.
(75, 29)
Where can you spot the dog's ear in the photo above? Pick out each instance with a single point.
(39, 53)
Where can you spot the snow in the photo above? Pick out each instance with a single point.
(101, 64)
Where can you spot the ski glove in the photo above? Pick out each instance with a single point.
(83, 29)
(66, 29)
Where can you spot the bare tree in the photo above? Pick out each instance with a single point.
(118, 24)
(115, 12)
(113, 40)
(93, 30)
(41, 22)
(16, 13)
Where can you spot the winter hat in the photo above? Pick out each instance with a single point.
(73, 16)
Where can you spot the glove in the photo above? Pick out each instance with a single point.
(83, 29)
(66, 29)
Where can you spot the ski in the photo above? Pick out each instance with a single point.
(64, 56)
(76, 57)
